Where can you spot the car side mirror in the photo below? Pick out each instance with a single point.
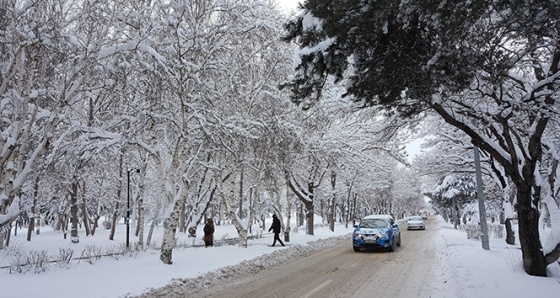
(395, 225)
(356, 226)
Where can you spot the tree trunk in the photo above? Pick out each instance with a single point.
(306, 197)
(289, 215)
(3, 237)
(241, 180)
(115, 218)
(183, 218)
(153, 224)
(117, 203)
(454, 214)
(33, 209)
(355, 202)
(242, 237)
(300, 215)
(332, 203)
(510, 234)
(74, 213)
(309, 212)
(95, 224)
(169, 232)
(62, 224)
(346, 210)
(140, 225)
(140, 209)
(533, 257)
(309, 218)
(228, 203)
(170, 225)
(85, 213)
(8, 233)
(241, 230)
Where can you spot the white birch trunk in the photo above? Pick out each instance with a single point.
(169, 232)
(171, 222)
(236, 221)
(289, 215)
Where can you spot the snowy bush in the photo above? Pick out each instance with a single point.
(64, 257)
(35, 261)
(91, 254)
(473, 231)
(107, 224)
(21, 261)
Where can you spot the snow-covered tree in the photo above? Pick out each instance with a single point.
(48, 64)
(450, 152)
(489, 68)
(452, 193)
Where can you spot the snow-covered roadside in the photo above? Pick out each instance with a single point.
(133, 275)
(465, 269)
(182, 287)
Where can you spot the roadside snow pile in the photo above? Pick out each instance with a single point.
(228, 275)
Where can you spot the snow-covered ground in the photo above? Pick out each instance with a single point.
(464, 269)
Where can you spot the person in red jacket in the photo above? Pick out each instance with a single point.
(276, 227)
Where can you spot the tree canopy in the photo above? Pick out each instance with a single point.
(489, 68)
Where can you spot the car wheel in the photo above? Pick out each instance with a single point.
(399, 243)
(393, 245)
(356, 248)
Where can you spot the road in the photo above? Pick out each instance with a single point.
(340, 272)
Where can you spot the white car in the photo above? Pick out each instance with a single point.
(415, 223)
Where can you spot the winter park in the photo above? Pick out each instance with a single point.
(264, 148)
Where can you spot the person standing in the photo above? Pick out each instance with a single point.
(209, 233)
(275, 228)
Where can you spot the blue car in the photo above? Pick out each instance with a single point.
(377, 231)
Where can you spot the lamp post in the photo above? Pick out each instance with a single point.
(128, 205)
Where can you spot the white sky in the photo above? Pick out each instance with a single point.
(289, 5)
(463, 268)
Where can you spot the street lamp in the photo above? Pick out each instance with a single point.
(128, 205)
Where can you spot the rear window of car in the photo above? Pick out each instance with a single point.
(415, 218)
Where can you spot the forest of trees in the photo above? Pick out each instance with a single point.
(175, 105)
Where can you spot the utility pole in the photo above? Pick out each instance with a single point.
(481, 208)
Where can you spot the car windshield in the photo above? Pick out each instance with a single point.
(415, 218)
(370, 223)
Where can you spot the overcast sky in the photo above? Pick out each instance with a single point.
(289, 4)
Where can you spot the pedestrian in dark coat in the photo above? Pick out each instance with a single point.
(275, 228)
(209, 233)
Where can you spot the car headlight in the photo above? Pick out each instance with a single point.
(357, 233)
(383, 235)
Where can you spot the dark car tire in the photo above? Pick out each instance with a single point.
(356, 249)
(399, 242)
(393, 246)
